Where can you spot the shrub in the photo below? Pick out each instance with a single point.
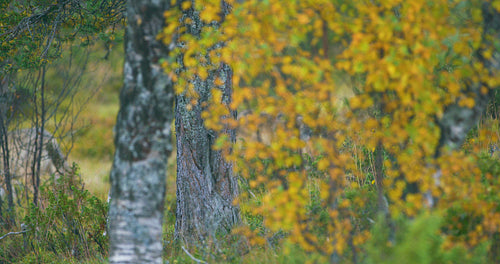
(417, 241)
(68, 222)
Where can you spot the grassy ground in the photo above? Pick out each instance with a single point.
(93, 145)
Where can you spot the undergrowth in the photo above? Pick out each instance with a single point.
(69, 224)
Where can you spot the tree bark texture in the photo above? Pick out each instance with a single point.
(142, 140)
(206, 186)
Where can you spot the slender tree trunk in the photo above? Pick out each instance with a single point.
(143, 140)
(206, 186)
(4, 149)
(40, 120)
(5, 98)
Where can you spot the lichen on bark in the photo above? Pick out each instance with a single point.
(142, 139)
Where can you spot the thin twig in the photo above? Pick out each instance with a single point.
(193, 258)
(13, 233)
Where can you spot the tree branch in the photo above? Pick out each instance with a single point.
(15, 233)
(193, 258)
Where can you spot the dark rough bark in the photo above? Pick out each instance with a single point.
(143, 140)
(206, 186)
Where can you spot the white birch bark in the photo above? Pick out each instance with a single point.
(143, 140)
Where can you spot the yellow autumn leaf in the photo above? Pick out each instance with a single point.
(355, 102)
(209, 14)
(186, 5)
(303, 19)
(218, 81)
(467, 102)
(323, 164)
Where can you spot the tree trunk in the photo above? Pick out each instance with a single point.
(457, 120)
(5, 99)
(39, 120)
(206, 186)
(143, 140)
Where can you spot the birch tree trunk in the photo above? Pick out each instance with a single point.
(457, 120)
(206, 186)
(143, 140)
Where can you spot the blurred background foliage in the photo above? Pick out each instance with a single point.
(287, 186)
